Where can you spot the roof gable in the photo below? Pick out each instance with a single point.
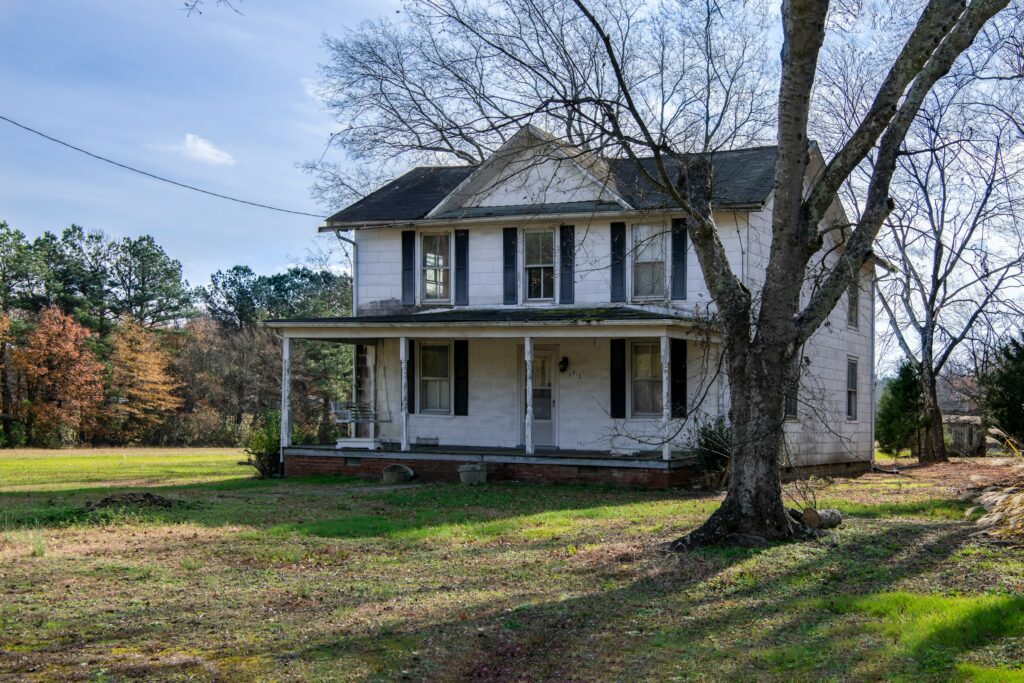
(532, 169)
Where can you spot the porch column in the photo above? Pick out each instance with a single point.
(403, 357)
(666, 396)
(371, 365)
(286, 395)
(528, 358)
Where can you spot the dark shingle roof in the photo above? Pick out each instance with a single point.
(501, 315)
(741, 177)
(408, 197)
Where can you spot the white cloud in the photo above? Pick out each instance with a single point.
(201, 149)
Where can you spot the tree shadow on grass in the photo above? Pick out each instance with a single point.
(736, 617)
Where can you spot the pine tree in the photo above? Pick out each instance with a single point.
(63, 380)
(142, 387)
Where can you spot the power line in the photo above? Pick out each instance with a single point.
(153, 175)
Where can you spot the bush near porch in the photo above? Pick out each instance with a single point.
(330, 579)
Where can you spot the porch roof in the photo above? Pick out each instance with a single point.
(496, 322)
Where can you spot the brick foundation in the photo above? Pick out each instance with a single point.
(447, 470)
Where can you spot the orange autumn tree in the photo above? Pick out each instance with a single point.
(63, 380)
(141, 384)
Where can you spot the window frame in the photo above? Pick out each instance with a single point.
(660, 232)
(421, 378)
(553, 265)
(853, 302)
(852, 388)
(658, 379)
(449, 267)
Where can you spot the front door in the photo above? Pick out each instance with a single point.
(543, 397)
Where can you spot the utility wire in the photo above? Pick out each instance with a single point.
(153, 175)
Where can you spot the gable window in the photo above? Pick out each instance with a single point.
(853, 302)
(436, 267)
(851, 388)
(435, 378)
(646, 379)
(540, 264)
(648, 261)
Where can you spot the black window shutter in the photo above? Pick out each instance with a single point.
(679, 243)
(617, 365)
(677, 372)
(461, 267)
(408, 267)
(567, 263)
(618, 261)
(410, 376)
(509, 258)
(462, 377)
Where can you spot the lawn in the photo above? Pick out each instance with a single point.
(324, 579)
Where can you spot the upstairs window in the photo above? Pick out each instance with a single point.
(435, 379)
(436, 267)
(540, 264)
(646, 378)
(851, 389)
(853, 302)
(648, 261)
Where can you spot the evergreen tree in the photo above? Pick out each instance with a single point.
(900, 410)
(1004, 389)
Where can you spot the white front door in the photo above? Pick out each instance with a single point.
(543, 397)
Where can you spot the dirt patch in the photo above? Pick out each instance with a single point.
(137, 500)
(959, 473)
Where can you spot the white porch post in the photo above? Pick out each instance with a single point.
(371, 364)
(528, 358)
(286, 395)
(666, 396)
(403, 357)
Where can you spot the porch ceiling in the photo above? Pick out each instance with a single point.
(615, 321)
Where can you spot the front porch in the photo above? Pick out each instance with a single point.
(581, 394)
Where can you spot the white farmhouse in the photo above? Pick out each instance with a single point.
(544, 314)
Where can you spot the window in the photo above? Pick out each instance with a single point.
(436, 267)
(791, 401)
(853, 302)
(540, 264)
(648, 261)
(851, 389)
(435, 378)
(646, 377)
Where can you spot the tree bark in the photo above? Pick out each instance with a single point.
(934, 447)
(753, 512)
(5, 396)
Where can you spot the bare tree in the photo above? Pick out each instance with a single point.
(590, 72)
(953, 239)
(956, 241)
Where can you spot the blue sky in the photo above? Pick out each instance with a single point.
(218, 100)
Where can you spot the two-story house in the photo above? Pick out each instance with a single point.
(544, 313)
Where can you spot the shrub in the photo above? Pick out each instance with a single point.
(713, 444)
(264, 445)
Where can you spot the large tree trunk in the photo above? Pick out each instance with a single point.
(934, 447)
(753, 512)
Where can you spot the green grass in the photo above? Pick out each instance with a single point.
(323, 579)
(34, 469)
